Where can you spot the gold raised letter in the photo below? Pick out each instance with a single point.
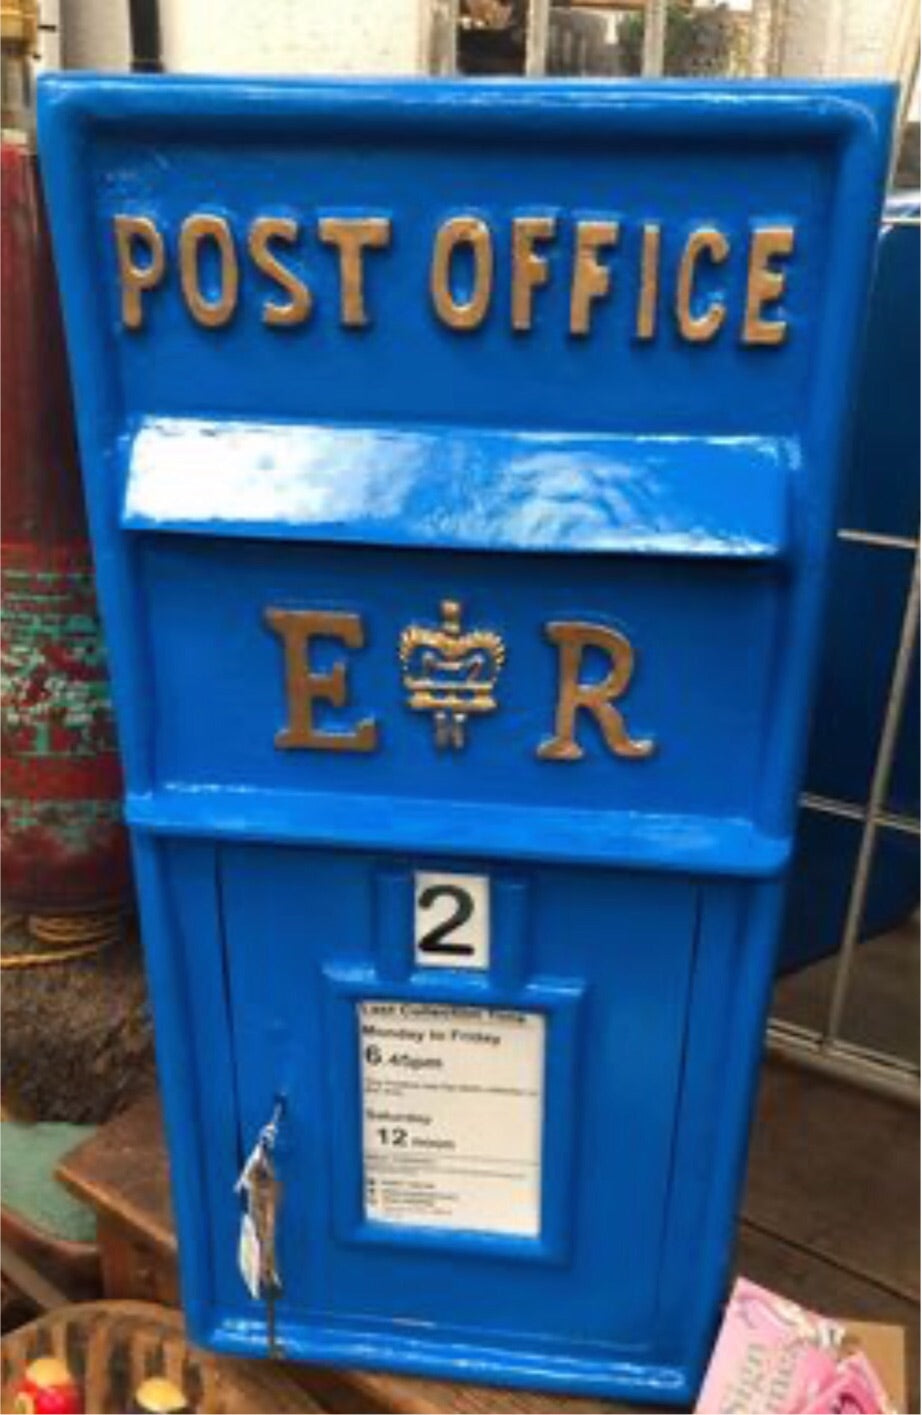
(649, 281)
(133, 277)
(571, 639)
(698, 329)
(195, 229)
(279, 228)
(467, 230)
(528, 269)
(590, 279)
(765, 285)
(303, 687)
(351, 235)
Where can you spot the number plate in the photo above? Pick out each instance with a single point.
(452, 921)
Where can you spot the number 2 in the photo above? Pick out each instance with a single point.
(452, 921)
(436, 940)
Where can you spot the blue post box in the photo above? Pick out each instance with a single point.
(461, 464)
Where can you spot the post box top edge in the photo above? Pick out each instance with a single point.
(692, 106)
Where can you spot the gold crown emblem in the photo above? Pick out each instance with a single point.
(450, 673)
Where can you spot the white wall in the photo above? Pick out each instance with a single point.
(255, 36)
(851, 38)
(94, 34)
(292, 36)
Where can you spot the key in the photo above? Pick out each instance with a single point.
(264, 1190)
(257, 1246)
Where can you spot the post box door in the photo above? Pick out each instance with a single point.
(594, 967)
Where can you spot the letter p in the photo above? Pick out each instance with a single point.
(130, 233)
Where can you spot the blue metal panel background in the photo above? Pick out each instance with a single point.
(637, 903)
(869, 585)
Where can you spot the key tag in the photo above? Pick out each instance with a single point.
(259, 1189)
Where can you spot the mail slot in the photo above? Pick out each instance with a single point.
(461, 464)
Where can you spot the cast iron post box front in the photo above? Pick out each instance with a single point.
(461, 466)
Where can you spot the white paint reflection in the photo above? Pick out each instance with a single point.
(203, 471)
(465, 487)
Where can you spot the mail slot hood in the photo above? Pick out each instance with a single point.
(461, 488)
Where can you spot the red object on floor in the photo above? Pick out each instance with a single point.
(48, 1388)
(64, 847)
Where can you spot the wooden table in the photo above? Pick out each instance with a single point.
(123, 1173)
(830, 1220)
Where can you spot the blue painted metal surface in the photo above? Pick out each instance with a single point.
(665, 489)
(869, 585)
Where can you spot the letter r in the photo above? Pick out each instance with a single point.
(572, 638)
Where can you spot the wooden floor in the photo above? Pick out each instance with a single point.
(882, 1004)
(831, 1213)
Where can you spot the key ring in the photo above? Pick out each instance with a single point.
(268, 1135)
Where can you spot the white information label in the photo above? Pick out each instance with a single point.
(452, 1116)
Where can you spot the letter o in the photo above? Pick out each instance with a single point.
(471, 231)
(195, 229)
